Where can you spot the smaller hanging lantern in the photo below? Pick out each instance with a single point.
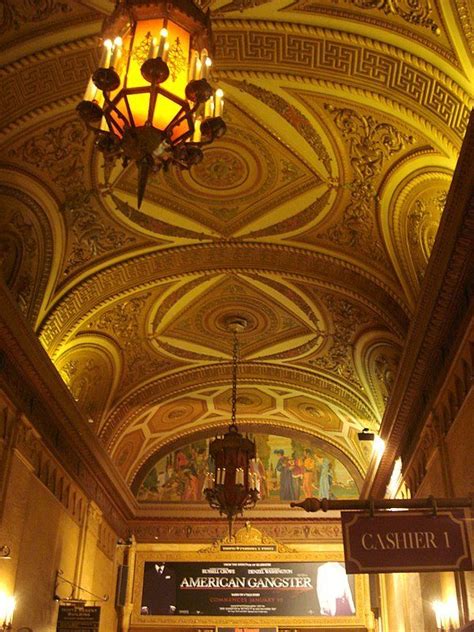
(150, 101)
(235, 484)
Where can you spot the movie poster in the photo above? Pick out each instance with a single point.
(293, 589)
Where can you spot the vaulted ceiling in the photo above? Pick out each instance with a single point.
(313, 218)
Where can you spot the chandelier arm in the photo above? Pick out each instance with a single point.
(112, 106)
(152, 104)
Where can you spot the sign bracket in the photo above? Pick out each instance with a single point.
(371, 505)
(60, 578)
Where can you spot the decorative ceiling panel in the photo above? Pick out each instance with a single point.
(313, 218)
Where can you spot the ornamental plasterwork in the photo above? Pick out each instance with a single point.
(377, 355)
(88, 371)
(247, 536)
(406, 82)
(26, 249)
(18, 12)
(247, 175)
(292, 115)
(415, 12)
(57, 152)
(414, 214)
(139, 339)
(371, 143)
(423, 220)
(124, 323)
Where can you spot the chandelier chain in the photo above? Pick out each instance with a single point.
(235, 355)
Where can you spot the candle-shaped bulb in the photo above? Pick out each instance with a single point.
(106, 54)
(117, 52)
(206, 67)
(198, 69)
(161, 45)
(153, 48)
(165, 51)
(91, 91)
(219, 102)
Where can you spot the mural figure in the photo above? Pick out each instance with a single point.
(325, 479)
(289, 468)
(297, 471)
(309, 465)
(286, 483)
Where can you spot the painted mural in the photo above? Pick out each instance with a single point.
(289, 469)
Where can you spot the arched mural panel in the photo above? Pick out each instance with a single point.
(290, 467)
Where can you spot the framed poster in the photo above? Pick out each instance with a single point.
(257, 588)
(239, 589)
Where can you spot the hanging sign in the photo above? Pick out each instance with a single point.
(78, 618)
(405, 542)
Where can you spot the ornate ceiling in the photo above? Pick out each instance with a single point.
(313, 218)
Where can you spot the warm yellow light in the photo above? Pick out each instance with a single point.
(197, 131)
(7, 607)
(205, 66)
(117, 52)
(379, 446)
(446, 613)
(161, 46)
(106, 54)
(218, 102)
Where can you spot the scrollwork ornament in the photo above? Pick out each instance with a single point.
(416, 12)
(58, 152)
(92, 235)
(18, 12)
(371, 144)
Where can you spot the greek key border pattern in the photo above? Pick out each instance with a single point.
(312, 56)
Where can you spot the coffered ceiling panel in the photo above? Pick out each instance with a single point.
(313, 218)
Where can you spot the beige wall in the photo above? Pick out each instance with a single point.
(50, 525)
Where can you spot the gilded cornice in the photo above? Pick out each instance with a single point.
(45, 80)
(34, 386)
(199, 530)
(444, 302)
(456, 82)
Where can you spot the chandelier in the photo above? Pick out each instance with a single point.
(150, 101)
(235, 484)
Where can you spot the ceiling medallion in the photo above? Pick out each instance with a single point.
(150, 100)
(234, 485)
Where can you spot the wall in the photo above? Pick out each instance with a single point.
(49, 525)
(441, 465)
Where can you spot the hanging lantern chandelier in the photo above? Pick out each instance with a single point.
(150, 101)
(235, 484)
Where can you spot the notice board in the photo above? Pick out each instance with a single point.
(78, 618)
